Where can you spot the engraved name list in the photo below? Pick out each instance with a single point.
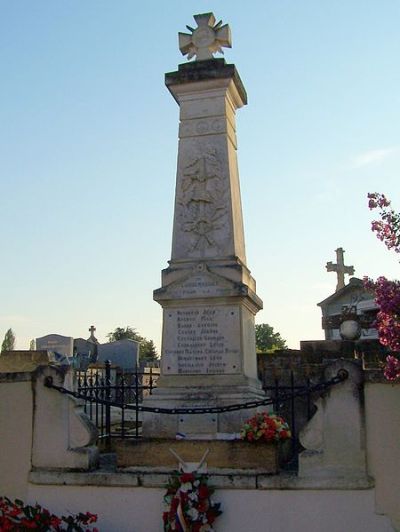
(202, 340)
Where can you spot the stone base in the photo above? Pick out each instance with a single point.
(205, 426)
(222, 454)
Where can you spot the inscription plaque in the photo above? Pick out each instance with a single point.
(201, 341)
(200, 285)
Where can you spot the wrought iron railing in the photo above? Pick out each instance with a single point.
(113, 401)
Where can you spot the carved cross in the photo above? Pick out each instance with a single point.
(207, 39)
(92, 329)
(340, 268)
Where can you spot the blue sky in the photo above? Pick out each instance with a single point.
(88, 145)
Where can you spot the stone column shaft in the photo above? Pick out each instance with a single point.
(207, 293)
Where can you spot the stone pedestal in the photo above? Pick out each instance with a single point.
(208, 295)
(229, 455)
(334, 438)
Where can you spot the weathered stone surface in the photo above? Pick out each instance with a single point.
(63, 436)
(334, 439)
(204, 71)
(208, 295)
(24, 361)
(230, 455)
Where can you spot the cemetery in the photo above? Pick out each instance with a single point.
(217, 438)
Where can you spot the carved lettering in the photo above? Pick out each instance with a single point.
(204, 340)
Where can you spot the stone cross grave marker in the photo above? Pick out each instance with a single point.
(340, 268)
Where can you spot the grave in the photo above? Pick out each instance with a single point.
(62, 345)
(207, 293)
(122, 353)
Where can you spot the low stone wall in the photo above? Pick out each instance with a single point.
(46, 456)
(127, 509)
(16, 415)
(382, 406)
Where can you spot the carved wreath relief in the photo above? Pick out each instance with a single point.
(202, 202)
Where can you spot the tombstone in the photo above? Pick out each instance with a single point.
(63, 345)
(122, 353)
(85, 353)
(208, 295)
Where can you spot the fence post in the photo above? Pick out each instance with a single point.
(293, 414)
(108, 406)
(136, 403)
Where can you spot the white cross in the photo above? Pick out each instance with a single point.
(207, 39)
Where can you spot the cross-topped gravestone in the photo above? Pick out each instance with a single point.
(92, 337)
(206, 39)
(340, 268)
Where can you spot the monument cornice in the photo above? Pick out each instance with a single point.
(190, 76)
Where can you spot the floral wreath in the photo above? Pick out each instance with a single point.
(188, 504)
(265, 427)
(17, 516)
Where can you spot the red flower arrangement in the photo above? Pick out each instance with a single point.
(188, 504)
(17, 516)
(265, 427)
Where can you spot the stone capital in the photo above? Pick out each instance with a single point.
(204, 75)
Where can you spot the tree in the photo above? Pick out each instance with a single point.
(387, 293)
(9, 341)
(267, 340)
(148, 350)
(121, 334)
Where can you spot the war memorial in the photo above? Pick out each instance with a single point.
(187, 469)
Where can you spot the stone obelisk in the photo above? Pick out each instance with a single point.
(208, 295)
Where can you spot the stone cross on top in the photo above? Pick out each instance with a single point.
(207, 39)
(340, 268)
(92, 338)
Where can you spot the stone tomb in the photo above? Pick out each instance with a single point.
(207, 294)
(64, 345)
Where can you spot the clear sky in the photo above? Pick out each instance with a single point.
(88, 145)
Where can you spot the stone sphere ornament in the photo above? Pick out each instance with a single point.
(350, 330)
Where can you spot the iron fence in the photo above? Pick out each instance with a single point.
(113, 401)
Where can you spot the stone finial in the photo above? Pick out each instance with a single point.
(207, 39)
(92, 337)
(340, 268)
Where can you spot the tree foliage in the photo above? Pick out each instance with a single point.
(267, 340)
(148, 350)
(9, 341)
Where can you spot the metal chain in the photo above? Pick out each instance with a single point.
(342, 375)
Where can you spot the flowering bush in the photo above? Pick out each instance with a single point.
(17, 516)
(265, 427)
(387, 228)
(188, 504)
(392, 369)
(387, 293)
(387, 297)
